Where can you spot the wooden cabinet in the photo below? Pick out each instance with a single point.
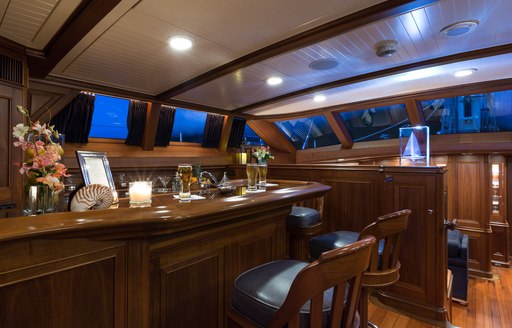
(498, 211)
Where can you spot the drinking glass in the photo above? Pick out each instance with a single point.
(185, 175)
(252, 174)
(164, 180)
(262, 174)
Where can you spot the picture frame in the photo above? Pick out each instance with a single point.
(95, 169)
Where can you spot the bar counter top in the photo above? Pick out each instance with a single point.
(164, 215)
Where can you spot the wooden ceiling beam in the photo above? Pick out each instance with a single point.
(475, 54)
(339, 26)
(83, 20)
(339, 129)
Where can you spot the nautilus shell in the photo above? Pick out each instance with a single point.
(94, 196)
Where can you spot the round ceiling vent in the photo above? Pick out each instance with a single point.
(386, 48)
(323, 64)
(459, 28)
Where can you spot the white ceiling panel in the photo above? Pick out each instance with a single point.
(417, 33)
(491, 68)
(33, 23)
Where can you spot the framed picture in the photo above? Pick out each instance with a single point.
(96, 169)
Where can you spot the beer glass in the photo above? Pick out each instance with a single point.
(262, 176)
(252, 175)
(185, 175)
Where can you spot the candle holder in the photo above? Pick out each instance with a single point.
(140, 193)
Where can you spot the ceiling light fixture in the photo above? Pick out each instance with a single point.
(386, 48)
(180, 42)
(274, 80)
(319, 98)
(323, 64)
(459, 28)
(465, 72)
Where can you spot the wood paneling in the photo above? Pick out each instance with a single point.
(422, 284)
(360, 194)
(468, 201)
(71, 283)
(10, 179)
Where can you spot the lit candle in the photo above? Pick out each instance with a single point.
(140, 192)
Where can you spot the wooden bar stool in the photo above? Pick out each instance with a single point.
(384, 265)
(291, 293)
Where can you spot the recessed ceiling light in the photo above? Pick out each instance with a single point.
(180, 42)
(319, 98)
(465, 72)
(323, 64)
(459, 28)
(274, 80)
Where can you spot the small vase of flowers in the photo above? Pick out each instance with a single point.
(262, 154)
(42, 153)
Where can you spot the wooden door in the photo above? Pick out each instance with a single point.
(10, 179)
(423, 254)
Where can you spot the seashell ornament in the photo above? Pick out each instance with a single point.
(94, 196)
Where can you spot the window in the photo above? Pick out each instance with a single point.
(488, 112)
(188, 126)
(251, 138)
(378, 123)
(109, 118)
(309, 132)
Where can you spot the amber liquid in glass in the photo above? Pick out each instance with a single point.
(252, 175)
(262, 172)
(185, 175)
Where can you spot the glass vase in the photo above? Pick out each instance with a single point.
(40, 200)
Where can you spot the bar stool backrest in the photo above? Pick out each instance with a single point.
(388, 228)
(341, 268)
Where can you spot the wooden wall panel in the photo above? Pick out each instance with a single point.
(351, 204)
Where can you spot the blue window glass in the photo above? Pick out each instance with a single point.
(188, 126)
(109, 118)
(309, 132)
(488, 112)
(251, 138)
(377, 123)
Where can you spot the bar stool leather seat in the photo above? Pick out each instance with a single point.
(293, 293)
(303, 217)
(258, 293)
(336, 239)
(301, 224)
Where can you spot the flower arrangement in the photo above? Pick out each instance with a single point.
(42, 154)
(262, 153)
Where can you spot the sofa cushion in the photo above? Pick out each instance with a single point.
(259, 292)
(454, 243)
(302, 217)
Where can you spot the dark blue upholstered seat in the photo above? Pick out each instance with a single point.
(302, 217)
(458, 263)
(332, 240)
(258, 293)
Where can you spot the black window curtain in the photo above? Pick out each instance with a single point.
(212, 130)
(165, 123)
(136, 122)
(237, 133)
(74, 121)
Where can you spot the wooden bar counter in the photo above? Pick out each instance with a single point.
(168, 265)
